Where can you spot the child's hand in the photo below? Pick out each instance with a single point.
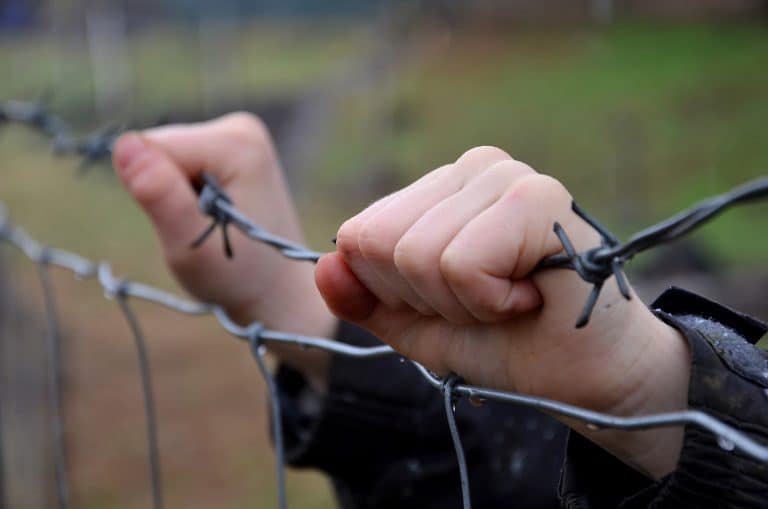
(443, 270)
(158, 167)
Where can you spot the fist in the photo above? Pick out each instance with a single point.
(444, 271)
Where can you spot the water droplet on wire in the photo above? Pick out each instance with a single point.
(725, 444)
(476, 401)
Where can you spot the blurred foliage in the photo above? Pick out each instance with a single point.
(168, 69)
(631, 116)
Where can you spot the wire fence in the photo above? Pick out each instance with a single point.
(595, 266)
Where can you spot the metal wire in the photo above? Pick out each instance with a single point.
(85, 269)
(93, 148)
(55, 392)
(598, 264)
(595, 266)
(258, 350)
(449, 402)
(150, 413)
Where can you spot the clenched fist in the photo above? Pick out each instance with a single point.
(444, 271)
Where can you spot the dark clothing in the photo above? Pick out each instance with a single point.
(381, 433)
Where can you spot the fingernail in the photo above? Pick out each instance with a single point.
(128, 149)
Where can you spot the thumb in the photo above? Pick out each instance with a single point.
(408, 332)
(161, 188)
(343, 293)
(404, 329)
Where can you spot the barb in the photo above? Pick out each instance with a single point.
(93, 148)
(255, 232)
(211, 194)
(598, 264)
(55, 393)
(150, 413)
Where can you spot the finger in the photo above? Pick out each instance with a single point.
(382, 229)
(371, 256)
(226, 146)
(348, 246)
(487, 272)
(162, 190)
(418, 255)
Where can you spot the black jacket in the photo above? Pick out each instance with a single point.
(381, 435)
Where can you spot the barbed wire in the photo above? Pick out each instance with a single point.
(594, 265)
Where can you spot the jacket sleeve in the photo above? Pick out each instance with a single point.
(729, 380)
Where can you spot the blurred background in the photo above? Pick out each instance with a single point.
(639, 107)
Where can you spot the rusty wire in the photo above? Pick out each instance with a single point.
(595, 266)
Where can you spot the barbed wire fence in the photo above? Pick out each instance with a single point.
(595, 266)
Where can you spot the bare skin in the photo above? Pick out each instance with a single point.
(442, 270)
(158, 167)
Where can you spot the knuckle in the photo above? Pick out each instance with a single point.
(510, 168)
(347, 238)
(539, 187)
(374, 239)
(483, 153)
(247, 128)
(147, 185)
(410, 258)
(453, 266)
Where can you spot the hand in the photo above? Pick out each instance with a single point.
(158, 166)
(443, 270)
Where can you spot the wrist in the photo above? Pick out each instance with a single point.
(656, 383)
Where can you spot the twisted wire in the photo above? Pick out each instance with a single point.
(594, 265)
(93, 148)
(600, 263)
